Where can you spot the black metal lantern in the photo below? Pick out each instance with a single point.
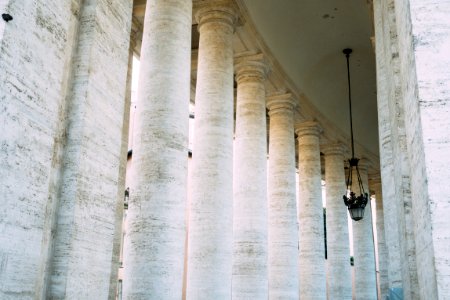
(126, 197)
(354, 202)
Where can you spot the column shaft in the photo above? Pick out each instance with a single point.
(363, 247)
(394, 160)
(119, 218)
(210, 217)
(154, 246)
(423, 29)
(339, 278)
(250, 279)
(311, 232)
(35, 65)
(387, 156)
(283, 228)
(381, 243)
(88, 188)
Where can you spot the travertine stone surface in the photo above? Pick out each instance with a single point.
(312, 271)
(250, 277)
(363, 248)
(210, 217)
(154, 249)
(394, 158)
(402, 164)
(119, 219)
(424, 38)
(35, 51)
(283, 228)
(84, 225)
(386, 156)
(382, 250)
(339, 279)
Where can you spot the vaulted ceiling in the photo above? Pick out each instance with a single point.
(307, 38)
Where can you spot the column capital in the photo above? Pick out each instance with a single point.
(221, 11)
(280, 102)
(308, 128)
(334, 148)
(251, 68)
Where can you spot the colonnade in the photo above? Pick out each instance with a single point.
(245, 239)
(64, 108)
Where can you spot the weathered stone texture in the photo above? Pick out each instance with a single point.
(312, 272)
(339, 281)
(386, 159)
(35, 51)
(283, 228)
(84, 229)
(381, 243)
(395, 166)
(424, 39)
(363, 247)
(211, 206)
(119, 218)
(250, 277)
(155, 241)
(413, 38)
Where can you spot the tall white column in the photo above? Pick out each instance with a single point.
(423, 29)
(34, 78)
(83, 230)
(382, 256)
(363, 247)
(312, 276)
(283, 228)
(210, 217)
(250, 279)
(339, 277)
(154, 249)
(390, 163)
(117, 256)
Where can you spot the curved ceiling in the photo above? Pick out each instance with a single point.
(307, 38)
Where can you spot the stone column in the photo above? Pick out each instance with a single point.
(83, 232)
(283, 228)
(250, 279)
(388, 158)
(363, 247)
(210, 218)
(117, 256)
(339, 277)
(35, 78)
(154, 246)
(395, 164)
(423, 29)
(312, 276)
(383, 280)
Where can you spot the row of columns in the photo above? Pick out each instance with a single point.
(244, 241)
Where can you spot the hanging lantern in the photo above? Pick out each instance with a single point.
(355, 201)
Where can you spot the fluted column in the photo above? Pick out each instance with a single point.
(339, 278)
(363, 247)
(383, 279)
(154, 249)
(283, 228)
(312, 276)
(250, 279)
(210, 217)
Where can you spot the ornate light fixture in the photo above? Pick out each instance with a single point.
(355, 204)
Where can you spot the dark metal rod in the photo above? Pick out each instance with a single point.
(347, 55)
